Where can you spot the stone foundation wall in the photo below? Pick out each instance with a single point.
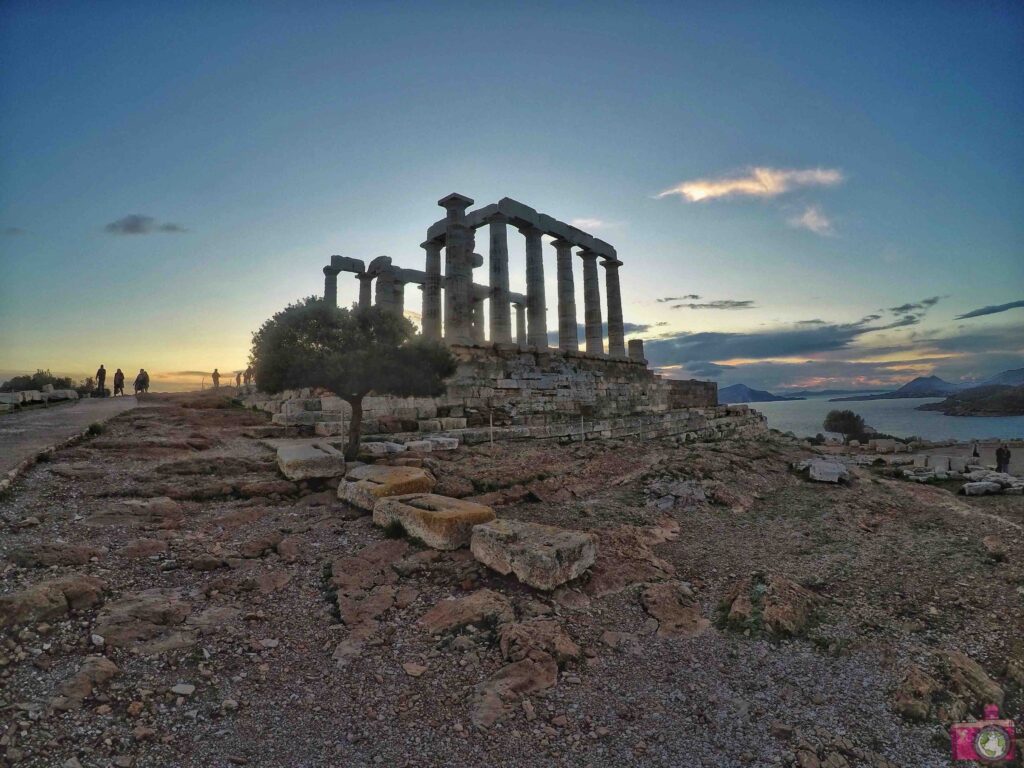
(515, 393)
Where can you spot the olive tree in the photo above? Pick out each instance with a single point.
(351, 352)
(847, 423)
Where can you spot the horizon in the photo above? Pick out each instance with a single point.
(791, 213)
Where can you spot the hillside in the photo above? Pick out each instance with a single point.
(741, 393)
(922, 386)
(993, 400)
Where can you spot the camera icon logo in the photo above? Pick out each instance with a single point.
(989, 741)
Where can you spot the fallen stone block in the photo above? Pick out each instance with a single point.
(423, 446)
(824, 470)
(364, 485)
(307, 461)
(980, 488)
(478, 608)
(444, 443)
(542, 556)
(439, 522)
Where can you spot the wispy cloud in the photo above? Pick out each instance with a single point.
(756, 182)
(813, 219)
(138, 224)
(720, 304)
(687, 297)
(924, 305)
(991, 310)
(13, 231)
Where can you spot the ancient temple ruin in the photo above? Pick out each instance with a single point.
(516, 385)
(453, 304)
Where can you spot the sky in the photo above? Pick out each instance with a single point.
(802, 194)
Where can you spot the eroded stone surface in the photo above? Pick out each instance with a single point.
(148, 622)
(481, 607)
(364, 485)
(305, 461)
(673, 605)
(52, 599)
(494, 697)
(439, 522)
(77, 688)
(542, 556)
(770, 602)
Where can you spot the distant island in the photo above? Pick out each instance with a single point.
(805, 393)
(741, 393)
(990, 400)
(933, 386)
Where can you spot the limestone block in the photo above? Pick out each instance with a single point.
(304, 461)
(957, 464)
(364, 485)
(429, 425)
(438, 521)
(452, 422)
(329, 428)
(424, 446)
(921, 461)
(939, 463)
(542, 556)
(981, 488)
(305, 418)
(824, 471)
(334, 405)
(443, 443)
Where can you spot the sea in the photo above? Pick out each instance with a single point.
(894, 417)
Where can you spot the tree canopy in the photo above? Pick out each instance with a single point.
(846, 423)
(351, 352)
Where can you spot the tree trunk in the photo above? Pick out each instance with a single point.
(354, 427)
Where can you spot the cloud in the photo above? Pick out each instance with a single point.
(137, 224)
(720, 304)
(678, 298)
(14, 231)
(991, 310)
(757, 182)
(815, 321)
(187, 373)
(924, 304)
(813, 219)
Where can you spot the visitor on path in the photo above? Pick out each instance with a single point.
(248, 376)
(238, 379)
(216, 378)
(975, 453)
(141, 381)
(101, 380)
(119, 382)
(1002, 458)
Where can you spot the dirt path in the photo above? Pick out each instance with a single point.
(26, 433)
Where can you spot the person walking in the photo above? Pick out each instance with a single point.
(101, 381)
(119, 382)
(216, 378)
(248, 376)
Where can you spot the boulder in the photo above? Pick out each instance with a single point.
(673, 605)
(56, 553)
(542, 556)
(483, 607)
(48, 600)
(364, 485)
(824, 470)
(771, 603)
(306, 461)
(147, 622)
(980, 488)
(439, 522)
(77, 688)
(443, 443)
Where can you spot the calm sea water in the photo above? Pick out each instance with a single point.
(895, 417)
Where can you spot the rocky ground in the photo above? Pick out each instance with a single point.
(169, 599)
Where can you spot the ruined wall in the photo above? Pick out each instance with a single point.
(526, 394)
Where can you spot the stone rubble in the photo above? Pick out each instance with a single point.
(542, 556)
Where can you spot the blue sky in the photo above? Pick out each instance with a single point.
(831, 162)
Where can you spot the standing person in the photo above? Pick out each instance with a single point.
(145, 380)
(1002, 458)
(216, 378)
(139, 381)
(238, 379)
(248, 375)
(119, 382)
(975, 453)
(101, 380)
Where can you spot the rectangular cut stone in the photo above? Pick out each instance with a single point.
(542, 556)
(364, 485)
(444, 443)
(424, 446)
(439, 522)
(328, 428)
(305, 461)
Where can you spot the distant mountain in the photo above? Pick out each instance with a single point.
(741, 393)
(804, 393)
(922, 386)
(1012, 378)
(989, 400)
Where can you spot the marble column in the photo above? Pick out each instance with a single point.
(520, 325)
(365, 290)
(568, 337)
(476, 330)
(616, 334)
(432, 291)
(592, 303)
(536, 306)
(636, 350)
(385, 293)
(398, 297)
(458, 269)
(501, 323)
(331, 285)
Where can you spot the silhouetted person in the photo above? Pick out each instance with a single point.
(101, 380)
(216, 378)
(1002, 459)
(248, 375)
(141, 381)
(238, 379)
(145, 380)
(119, 382)
(975, 453)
